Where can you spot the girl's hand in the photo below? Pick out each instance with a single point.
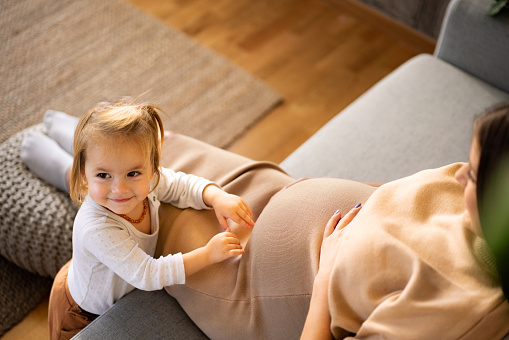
(223, 246)
(233, 207)
(228, 206)
(219, 248)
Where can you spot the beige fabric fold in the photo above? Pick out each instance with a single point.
(407, 268)
(263, 294)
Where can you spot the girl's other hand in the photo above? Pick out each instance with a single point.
(233, 207)
(228, 206)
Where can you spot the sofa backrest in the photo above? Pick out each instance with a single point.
(476, 43)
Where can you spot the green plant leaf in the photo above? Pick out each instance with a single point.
(497, 6)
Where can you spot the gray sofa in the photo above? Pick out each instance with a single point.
(422, 15)
(417, 117)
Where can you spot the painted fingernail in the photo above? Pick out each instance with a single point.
(358, 205)
(337, 212)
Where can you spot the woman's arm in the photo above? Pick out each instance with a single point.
(318, 321)
(317, 325)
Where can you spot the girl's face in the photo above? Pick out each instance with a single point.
(118, 175)
(467, 177)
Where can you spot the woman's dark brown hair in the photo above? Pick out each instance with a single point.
(491, 130)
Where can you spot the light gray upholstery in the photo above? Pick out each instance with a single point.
(418, 117)
(476, 43)
(143, 315)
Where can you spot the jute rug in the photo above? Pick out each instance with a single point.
(69, 54)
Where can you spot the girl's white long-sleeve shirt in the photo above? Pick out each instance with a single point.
(111, 257)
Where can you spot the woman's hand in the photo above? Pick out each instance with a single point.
(318, 320)
(331, 236)
(228, 206)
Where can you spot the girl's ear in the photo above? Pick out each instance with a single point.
(84, 177)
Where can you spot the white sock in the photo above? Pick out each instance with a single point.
(44, 157)
(61, 127)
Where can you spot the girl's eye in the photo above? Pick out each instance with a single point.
(133, 174)
(103, 175)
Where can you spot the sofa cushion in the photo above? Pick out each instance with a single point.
(476, 43)
(418, 117)
(159, 313)
(37, 218)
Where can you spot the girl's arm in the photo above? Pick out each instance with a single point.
(317, 325)
(228, 206)
(189, 191)
(181, 190)
(220, 247)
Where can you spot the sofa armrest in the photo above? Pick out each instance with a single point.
(476, 43)
(143, 315)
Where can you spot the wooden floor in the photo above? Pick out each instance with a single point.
(318, 58)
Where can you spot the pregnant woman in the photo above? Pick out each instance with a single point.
(421, 257)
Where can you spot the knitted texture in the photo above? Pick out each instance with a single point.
(37, 218)
(20, 291)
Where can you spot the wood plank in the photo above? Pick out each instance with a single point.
(413, 39)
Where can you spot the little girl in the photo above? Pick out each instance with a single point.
(118, 181)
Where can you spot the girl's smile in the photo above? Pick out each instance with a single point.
(118, 175)
(118, 200)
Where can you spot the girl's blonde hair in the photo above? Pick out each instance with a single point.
(123, 120)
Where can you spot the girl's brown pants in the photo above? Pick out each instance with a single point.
(65, 317)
